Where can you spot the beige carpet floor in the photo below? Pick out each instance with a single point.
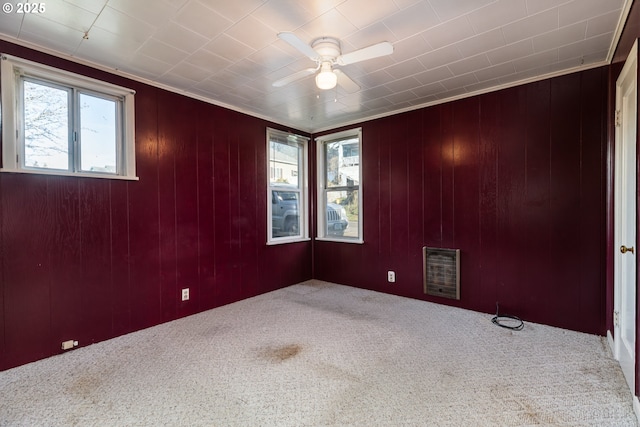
(319, 354)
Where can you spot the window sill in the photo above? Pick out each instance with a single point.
(65, 173)
(343, 240)
(286, 240)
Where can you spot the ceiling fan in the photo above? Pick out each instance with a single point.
(326, 53)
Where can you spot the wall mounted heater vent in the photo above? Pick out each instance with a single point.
(441, 270)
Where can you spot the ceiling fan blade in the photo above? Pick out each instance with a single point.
(295, 41)
(293, 77)
(374, 51)
(346, 83)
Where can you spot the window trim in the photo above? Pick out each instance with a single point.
(321, 141)
(303, 189)
(12, 69)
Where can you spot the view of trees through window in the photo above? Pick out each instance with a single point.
(49, 129)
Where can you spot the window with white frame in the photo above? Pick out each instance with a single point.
(340, 186)
(59, 123)
(287, 191)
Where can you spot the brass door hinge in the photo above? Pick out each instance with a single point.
(618, 118)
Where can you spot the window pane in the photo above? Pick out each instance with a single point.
(46, 126)
(98, 136)
(342, 213)
(285, 220)
(343, 163)
(284, 163)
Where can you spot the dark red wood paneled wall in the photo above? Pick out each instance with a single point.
(91, 259)
(516, 179)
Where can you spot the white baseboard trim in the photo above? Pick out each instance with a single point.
(611, 343)
(636, 402)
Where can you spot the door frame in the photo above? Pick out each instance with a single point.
(630, 66)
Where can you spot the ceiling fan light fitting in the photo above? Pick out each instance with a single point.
(326, 78)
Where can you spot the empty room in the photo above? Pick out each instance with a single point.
(319, 213)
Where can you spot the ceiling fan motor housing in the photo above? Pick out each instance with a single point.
(327, 47)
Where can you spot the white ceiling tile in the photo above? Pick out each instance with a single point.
(372, 34)
(560, 37)
(487, 41)
(150, 67)
(253, 33)
(585, 47)
(93, 6)
(403, 4)
(428, 90)
(531, 26)
(459, 81)
(494, 15)
(229, 48)
(448, 9)
(405, 69)
(411, 21)
(448, 33)
(155, 16)
(66, 14)
(374, 79)
(248, 68)
(11, 24)
(208, 61)
(190, 71)
(376, 92)
(35, 29)
(535, 60)
(468, 65)
(283, 15)
(440, 57)
(580, 10)
(272, 57)
(401, 85)
(537, 6)
(163, 52)
(100, 41)
(602, 24)
(180, 37)
(411, 47)
(234, 10)
(176, 80)
(123, 25)
(510, 52)
(434, 75)
(329, 24)
(363, 13)
(202, 20)
(495, 71)
(401, 97)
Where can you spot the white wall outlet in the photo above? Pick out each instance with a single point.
(66, 345)
(391, 276)
(185, 294)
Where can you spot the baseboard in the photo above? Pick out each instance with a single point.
(611, 343)
(636, 402)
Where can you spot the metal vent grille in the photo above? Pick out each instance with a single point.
(441, 272)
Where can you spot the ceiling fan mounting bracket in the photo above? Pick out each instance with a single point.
(327, 47)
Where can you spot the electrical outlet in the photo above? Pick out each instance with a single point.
(391, 276)
(66, 345)
(185, 294)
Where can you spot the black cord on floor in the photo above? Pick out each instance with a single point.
(517, 323)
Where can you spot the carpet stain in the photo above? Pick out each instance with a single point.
(280, 354)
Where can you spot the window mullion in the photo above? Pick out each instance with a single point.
(74, 134)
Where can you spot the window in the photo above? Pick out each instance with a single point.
(339, 186)
(59, 123)
(287, 190)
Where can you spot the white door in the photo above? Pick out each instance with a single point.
(625, 219)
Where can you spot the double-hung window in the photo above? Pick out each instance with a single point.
(340, 186)
(60, 123)
(287, 191)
